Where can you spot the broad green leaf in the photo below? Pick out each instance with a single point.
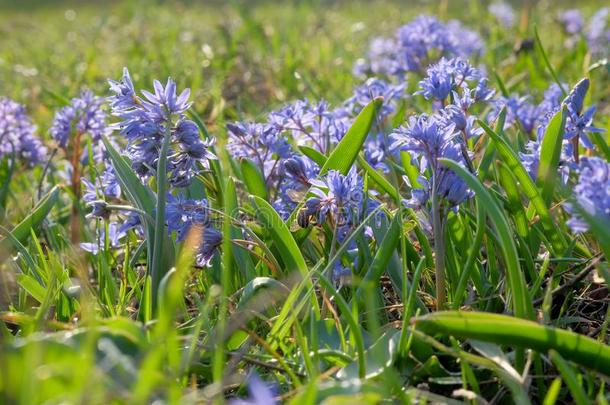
(313, 154)
(253, 178)
(344, 155)
(282, 238)
(522, 304)
(511, 331)
(550, 153)
(33, 287)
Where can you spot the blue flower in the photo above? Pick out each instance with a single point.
(592, 193)
(504, 13)
(84, 115)
(18, 133)
(373, 88)
(598, 34)
(211, 240)
(572, 20)
(114, 237)
(144, 121)
(579, 124)
(182, 213)
(417, 44)
(448, 75)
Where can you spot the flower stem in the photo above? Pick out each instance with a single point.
(439, 248)
(157, 271)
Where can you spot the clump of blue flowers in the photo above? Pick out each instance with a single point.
(85, 115)
(416, 45)
(144, 121)
(592, 193)
(18, 133)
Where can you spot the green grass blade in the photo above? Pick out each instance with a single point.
(522, 304)
(511, 331)
(569, 376)
(529, 188)
(550, 153)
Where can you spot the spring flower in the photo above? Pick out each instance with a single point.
(263, 144)
(296, 174)
(592, 193)
(17, 133)
(598, 34)
(446, 76)
(114, 237)
(572, 20)
(373, 88)
(579, 123)
(182, 213)
(144, 121)
(428, 138)
(504, 13)
(84, 115)
(417, 44)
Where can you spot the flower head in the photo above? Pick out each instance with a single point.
(504, 13)
(592, 193)
(17, 133)
(144, 122)
(572, 20)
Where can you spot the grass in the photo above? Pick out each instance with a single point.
(521, 317)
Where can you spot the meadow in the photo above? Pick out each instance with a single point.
(304, 202)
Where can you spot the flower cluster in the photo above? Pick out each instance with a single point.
(592, 193)
(417, 44)
(146, 121)
(427, 139)
(84, 115)
(17, 133)
(184, 215)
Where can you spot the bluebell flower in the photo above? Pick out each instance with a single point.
(417, 44)
(114, 237)
(85, 115)
(446, 76)
(263, 144)
(144, 121)
(211, 240)
(572, 20)
(18, 133)
(592, 193)
(579, 123)
(260, 393)
(316, 125)
(504, 13)
(373, 88)
(182, 213)
(296, 174)
(427, 139)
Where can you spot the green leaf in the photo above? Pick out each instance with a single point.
(282, 238)
(550, 153)
(313, 154)
(569, 376)
(522, 303)
(344, 155)
(511, 331)
(529, 188)
(22, 231)
(253, 178)
(383, 184)
(33, 287)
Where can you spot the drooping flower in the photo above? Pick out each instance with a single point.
(85, 115)
(144, 122)
(592, 193)
(504, 13)
(18, 133)
(296, 173)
